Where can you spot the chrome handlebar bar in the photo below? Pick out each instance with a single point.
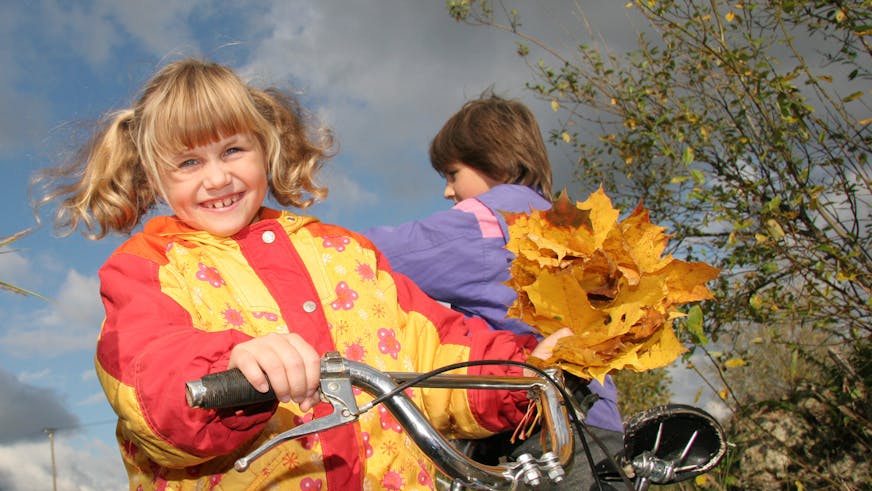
(338, 375)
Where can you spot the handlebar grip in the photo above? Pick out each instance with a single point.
(224, 390)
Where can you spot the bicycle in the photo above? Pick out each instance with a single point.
(663, 445)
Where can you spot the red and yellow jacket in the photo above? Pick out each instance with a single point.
(177, 300)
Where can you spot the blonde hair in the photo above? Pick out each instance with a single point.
(498, 137)
(115, 178)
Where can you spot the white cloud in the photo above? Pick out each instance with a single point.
(87, 466)
(88, 375)
(346, 193)
(34, 377)
(96, 398)
(14, 267)
(79, 298)
(69, 324)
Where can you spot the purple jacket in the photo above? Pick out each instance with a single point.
(459, 256)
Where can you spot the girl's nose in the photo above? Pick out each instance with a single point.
(216, 175)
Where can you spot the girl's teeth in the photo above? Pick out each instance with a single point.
(223, 203)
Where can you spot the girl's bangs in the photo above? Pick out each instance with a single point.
(202, 115)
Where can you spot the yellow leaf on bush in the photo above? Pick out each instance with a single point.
(578, 266)
(775, 230)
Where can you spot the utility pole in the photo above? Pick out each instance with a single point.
(54, 479)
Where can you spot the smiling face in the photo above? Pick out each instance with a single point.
(218, 187)
(463, 181)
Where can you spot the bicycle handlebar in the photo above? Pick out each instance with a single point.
(224, 390)
(338, 375)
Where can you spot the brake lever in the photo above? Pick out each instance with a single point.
(336, 388)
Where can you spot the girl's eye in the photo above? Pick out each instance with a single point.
(187, 163)
(232, 150)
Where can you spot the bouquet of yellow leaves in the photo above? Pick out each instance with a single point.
(577, 266)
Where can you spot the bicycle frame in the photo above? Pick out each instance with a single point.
(662, 445)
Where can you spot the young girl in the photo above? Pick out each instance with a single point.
(493, 159)
(225, 282)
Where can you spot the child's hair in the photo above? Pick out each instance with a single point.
(115, 178)
(498, 137)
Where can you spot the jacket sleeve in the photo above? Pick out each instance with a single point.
(148, 348)
(457, 257)
(431, 250)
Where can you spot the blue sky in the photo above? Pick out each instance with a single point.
(384, 74)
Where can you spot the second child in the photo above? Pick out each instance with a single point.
(493, 159)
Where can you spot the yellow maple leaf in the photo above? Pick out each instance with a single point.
(686, 281)
(603, 217)
(578, 266)
(645, 242)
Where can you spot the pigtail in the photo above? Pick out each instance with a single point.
(295, 153)
(104, 188)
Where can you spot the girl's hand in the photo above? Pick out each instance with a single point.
(545, 347)
(285, 362)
